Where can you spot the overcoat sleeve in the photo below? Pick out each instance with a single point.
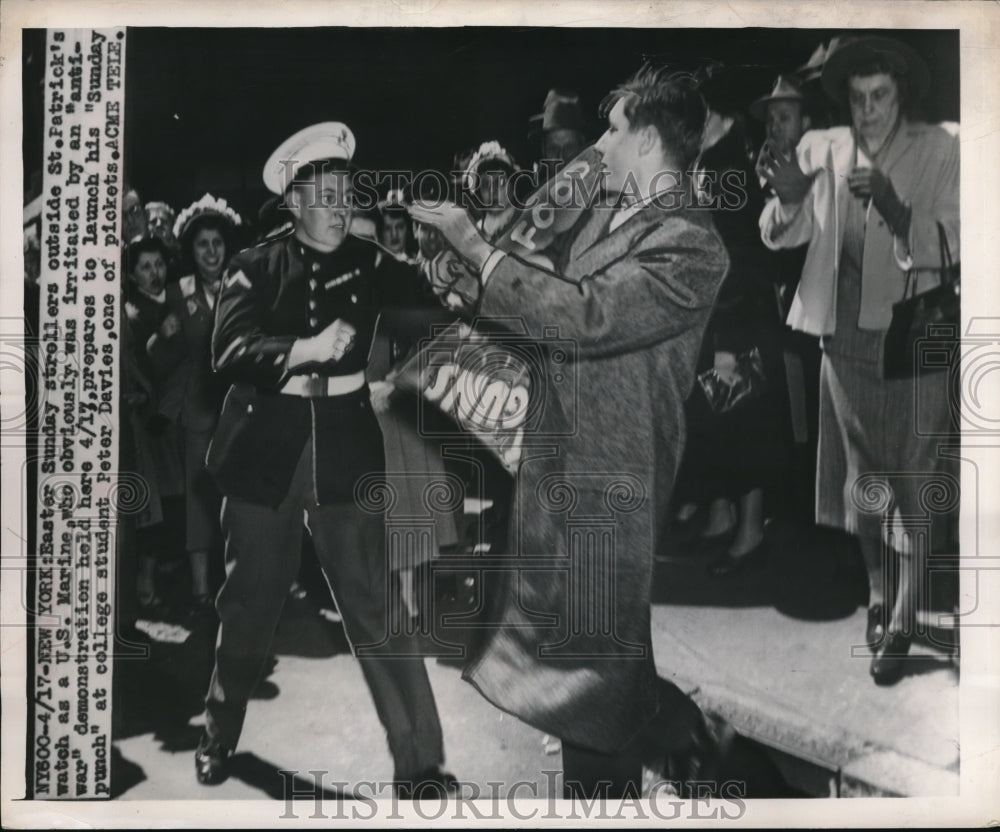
(659, 288)
(789, 226)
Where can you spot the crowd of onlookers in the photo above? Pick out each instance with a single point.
(762, 405)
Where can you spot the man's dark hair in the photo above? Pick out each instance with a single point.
(670, 102)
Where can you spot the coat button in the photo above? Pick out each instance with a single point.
(312, 284)
(249, 408)
(312, 303)
(313, 322)
(354, 298)
(315, 267)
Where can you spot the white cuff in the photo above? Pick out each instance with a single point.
(904, 260)
(491, 262)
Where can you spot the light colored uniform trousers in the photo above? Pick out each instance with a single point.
(263, 548)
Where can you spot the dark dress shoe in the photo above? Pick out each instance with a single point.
(730, 564)
(888, 664)
(211, 762)
(875, 632)
(429, 783)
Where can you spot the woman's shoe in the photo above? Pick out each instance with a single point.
(875, 632)
(887, 665)
(730, 564)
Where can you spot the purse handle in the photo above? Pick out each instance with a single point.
(947, 270)
(947, 264)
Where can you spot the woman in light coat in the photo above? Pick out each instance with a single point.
(872, 201)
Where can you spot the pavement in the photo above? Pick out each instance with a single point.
(775, 651)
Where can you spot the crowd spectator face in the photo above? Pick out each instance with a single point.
(562, 145)
(394, 233)
(208, 249)
(160, 221)
(323, 209)
(875, 105)
(428, 240)
(620, 147)
(150, 272)
(492, 190)
(134, 222)
(785, 125)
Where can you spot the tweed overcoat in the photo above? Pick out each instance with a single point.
(569, 651)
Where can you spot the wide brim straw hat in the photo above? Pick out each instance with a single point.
(843, 61)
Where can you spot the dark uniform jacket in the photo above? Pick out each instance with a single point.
(272, 295)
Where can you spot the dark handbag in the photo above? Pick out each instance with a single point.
(749, 383)
(924, 327)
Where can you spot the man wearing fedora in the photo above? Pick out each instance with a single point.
(783, 116)
(293, 328)
(633, 290)
(783, 112)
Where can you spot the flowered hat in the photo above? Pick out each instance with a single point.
(199, 213)
(489, 154)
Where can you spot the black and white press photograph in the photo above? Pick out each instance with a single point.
(423, 414)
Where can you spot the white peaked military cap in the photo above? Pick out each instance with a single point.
(327, 140)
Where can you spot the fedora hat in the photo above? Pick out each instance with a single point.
(784, 90)
(561, 111)
(845, 59)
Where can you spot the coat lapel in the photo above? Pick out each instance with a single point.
(593, 231)
(602, 246)
(898, 147)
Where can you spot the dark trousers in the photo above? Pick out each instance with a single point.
(263, 549)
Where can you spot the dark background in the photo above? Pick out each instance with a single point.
(205, 107)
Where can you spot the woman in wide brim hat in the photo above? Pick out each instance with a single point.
(869, 55)
(208, 231)
(874, 201)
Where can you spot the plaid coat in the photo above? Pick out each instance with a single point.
(572, 654)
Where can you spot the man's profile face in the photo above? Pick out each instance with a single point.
(323, 209)
(785, 125)
(620, 148)
(562, 144)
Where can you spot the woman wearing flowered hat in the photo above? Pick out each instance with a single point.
(487, 183)
(191, 395)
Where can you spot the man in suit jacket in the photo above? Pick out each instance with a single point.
(632, 290)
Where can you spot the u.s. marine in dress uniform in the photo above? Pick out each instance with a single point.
(292, 334)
